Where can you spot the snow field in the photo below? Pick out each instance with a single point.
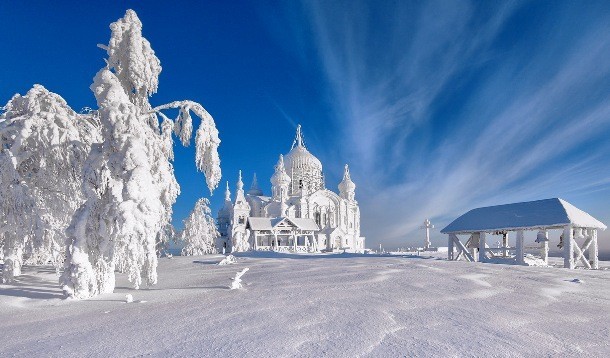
(317, 305)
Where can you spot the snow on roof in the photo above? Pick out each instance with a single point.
(260, 223)
(271, 223)
(543, 214)
(305, 224)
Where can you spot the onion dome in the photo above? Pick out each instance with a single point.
(347, 187)
(299, 157)
(280, 178)
(254, 189)
(226, 210)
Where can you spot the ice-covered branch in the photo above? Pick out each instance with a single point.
(206, 138)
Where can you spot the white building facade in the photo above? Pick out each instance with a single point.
(300, 215)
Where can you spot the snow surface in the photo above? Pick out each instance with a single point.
(341, 305)
(547, 213)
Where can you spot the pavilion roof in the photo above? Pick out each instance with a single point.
(539, 214)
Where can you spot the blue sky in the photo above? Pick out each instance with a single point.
(438, 107)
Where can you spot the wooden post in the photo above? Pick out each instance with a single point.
(275, 241)
(568, 247)
(482, 247)
(544, 248)
(462, 249)
(294, 242)
(580, 254)
(255, 241)
(504, 244)
(519, 246)
(449, 248)
(594, 250)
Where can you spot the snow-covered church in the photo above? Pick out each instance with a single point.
(301, 215)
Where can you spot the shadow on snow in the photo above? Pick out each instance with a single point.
(32, 286)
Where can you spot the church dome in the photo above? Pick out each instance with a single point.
(280, 178)
(300, 158)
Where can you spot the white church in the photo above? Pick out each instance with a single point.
(301, 215)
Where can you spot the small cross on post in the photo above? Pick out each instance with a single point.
(427, 225)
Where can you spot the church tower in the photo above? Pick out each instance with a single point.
(225, 222)
(241, 209)
(347, 188)
(280, 182)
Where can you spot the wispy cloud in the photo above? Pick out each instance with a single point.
(451, 105)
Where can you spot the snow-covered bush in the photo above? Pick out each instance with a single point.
(236, 281)
(130, 185)
(45, 144)
(199, 233)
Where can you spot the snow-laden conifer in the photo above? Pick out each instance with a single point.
(129, 179)
(200, 233)
(45, 144)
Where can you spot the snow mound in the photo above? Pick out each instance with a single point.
(229, 260)
(128, 298)
(531, 260)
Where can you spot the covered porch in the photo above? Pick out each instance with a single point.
(542, 217)
(283, 234)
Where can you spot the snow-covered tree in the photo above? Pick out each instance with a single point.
(240, 242)
(199, 233)
(129, 179)
(45, 144)
(166, 236)
(14, 205)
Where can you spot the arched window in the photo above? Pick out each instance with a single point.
(317, 218)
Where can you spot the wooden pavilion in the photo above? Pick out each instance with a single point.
(540, 216)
